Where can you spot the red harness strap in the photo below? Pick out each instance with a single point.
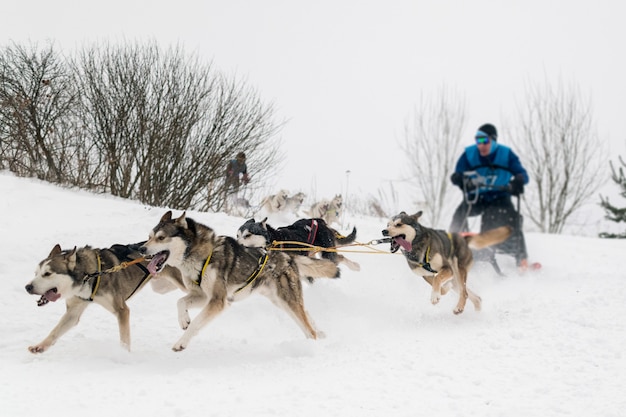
(312, 232)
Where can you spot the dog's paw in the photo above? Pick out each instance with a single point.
(38, 348)
(435, 298)
(178, 347)
(457, 310)
(184, 320)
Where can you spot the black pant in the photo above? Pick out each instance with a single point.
(495, 213)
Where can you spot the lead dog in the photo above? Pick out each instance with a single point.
(442, 259)
(222, 271)
(82, 277)
(314, 232)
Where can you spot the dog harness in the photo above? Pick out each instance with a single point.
(425, 263)
(121, 252)
(96, 282)
(257, 272)
(312, 232)
(206, 263)
(261, 264)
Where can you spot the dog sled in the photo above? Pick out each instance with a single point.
(515, 246)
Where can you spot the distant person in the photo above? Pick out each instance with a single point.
(489, 173)
(235, 169)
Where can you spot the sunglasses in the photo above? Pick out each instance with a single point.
(482, 140)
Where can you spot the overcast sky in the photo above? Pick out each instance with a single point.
(345, 75)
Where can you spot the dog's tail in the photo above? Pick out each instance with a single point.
(489, 237)
(344, 240)
(312, 268)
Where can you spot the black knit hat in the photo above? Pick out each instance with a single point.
(490, 130)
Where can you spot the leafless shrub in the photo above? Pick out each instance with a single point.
(561, 150)
(39, 132)
(431, 142)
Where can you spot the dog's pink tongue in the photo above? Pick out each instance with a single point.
(52, 295)
(156, 262)
(405, 244)
(153, 266)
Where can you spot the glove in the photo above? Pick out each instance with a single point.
(245, 178)
(457, 179)
(517, 184)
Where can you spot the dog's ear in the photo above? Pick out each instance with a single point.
(55, 251)
(70, 257)
(167, 216)
(418, 214)
(182, 220)
(264, 223)
(250, 221)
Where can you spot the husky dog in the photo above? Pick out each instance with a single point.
(293, 203)
(218, 270)
(314, 232)
(442, 259)
(330, 211)
(275, 203)
(86, 274)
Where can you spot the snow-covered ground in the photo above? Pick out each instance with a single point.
(546, 344)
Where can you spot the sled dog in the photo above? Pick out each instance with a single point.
(442, 259)
(85, 275)
(329, 210)
(223, 271)
(314, 232)
(293, 203)
(275, 203)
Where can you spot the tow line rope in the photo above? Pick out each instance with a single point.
(302, 246)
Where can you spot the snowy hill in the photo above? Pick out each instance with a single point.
(545, 344)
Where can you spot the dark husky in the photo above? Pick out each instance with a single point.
(314, 232)
(217, 271)
(87, 275)
(442, 259)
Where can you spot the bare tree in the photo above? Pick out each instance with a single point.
(431, 140)
(561, 150)
(38, 100)
(165, 124)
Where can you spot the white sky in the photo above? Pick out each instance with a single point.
(345, 75)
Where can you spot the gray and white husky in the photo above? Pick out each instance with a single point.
(329, 210)
(217, 271)
(87, 275)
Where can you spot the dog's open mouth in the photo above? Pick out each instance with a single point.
(398, 242)
(157, 263)
(50, 295)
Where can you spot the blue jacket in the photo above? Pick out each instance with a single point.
(497, 168)
(235, 168)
